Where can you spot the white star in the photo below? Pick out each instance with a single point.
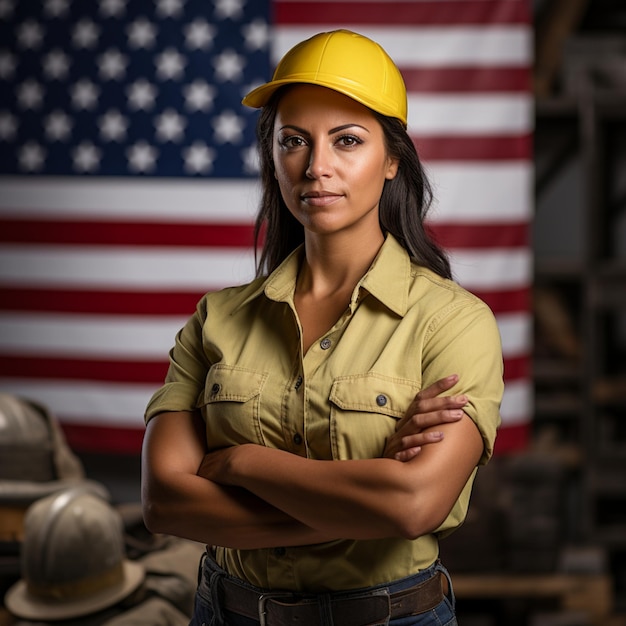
(170, 126)
(7, 64)
(141, 94)
(84, 94)
(31, 156)
(112, 65)
(198, 158)
(56, 8)
(199, 34)
(256, 35)
(58, 126)
(6, 8)
(30, 94)
(30, 35)
(86, 157)
(141, 33)
(170, 64)
(228, 8)
(113, 126)
(142, 156)
(228, 128)
(250, 158)
(199, 95)
(169, 8)
(85, 34)
(112, 8)
(56, 64)
(8, 126)
(228, 66)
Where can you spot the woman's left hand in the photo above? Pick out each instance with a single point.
(428, 409)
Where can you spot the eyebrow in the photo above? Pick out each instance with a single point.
(332, 131)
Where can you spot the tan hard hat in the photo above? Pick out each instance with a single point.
(345, 62)
(73, 560)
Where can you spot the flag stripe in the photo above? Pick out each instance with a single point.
(18, 366)
(134, 337)
(503, 190)
(94, 233)
(479, 148)
(469, 235)
(466, 80)
(162, 303)
(432, 46)
(424, 13)
(64, 232)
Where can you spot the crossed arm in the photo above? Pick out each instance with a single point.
(251, 496)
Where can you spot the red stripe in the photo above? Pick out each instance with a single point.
(506, 301)
(117, 440)
(517, 368)
(473, 235)
(58, 368)
(86, 232)
(474, 148)
(467, 79)
(513, 438)
(98, 302)
(411, 13)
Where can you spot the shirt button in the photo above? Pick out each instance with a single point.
(280, 551)
(325, 343)
(216, 388)
(297, 439)
(381, 400)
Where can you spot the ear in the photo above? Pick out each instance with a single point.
(392, 169)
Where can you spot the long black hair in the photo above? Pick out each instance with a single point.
(403, 205)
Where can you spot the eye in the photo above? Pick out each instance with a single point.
(349, 140)
(292, 141)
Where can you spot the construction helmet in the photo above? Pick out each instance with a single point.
(73, 561)
(35, 461)
(345, 62)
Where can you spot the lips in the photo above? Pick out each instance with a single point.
(320, 198)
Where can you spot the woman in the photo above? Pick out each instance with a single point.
(339, 350)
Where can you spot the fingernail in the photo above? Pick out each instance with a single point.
(462, 399)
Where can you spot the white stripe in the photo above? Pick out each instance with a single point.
(103, 404)
(496, 190)
(516, 334)
(128, 337)
(492, 269)
(93, 336)
(120, 267)
(109, 404)
(156, 200)
(488, 114)
(517, 403)
(432, 46)
(484, 192)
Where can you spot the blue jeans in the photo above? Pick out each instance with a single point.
(207, 611)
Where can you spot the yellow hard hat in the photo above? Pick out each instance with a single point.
(345, 62)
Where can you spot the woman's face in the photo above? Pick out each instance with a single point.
(330, 160)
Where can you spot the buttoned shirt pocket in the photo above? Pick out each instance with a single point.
(231, 405)
(364, 411)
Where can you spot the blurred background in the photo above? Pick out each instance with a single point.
(128, 189)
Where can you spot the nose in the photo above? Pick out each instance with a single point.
(320, 162)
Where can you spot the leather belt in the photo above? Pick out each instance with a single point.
(347, 609)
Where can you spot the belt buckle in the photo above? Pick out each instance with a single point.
(263, 599)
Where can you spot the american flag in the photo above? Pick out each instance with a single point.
(128, 179)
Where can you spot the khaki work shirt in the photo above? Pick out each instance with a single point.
(239, 361)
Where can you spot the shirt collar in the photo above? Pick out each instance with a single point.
(387, 278)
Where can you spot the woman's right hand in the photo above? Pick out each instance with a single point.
(427, 410)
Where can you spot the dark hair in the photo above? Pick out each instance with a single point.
(404, 202)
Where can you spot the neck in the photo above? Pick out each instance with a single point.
(336, 264)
